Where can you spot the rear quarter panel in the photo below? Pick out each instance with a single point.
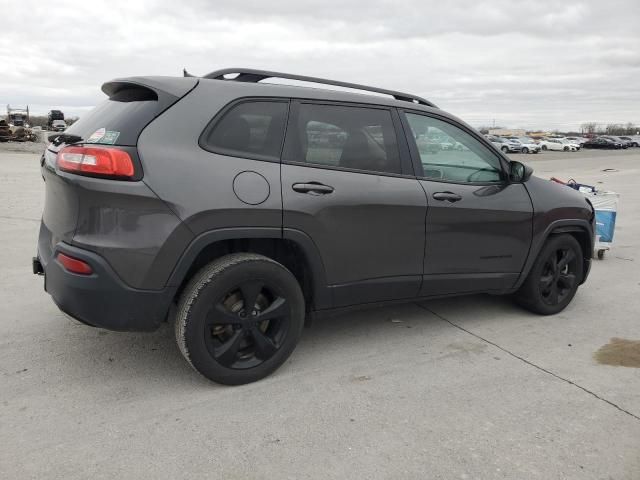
(198, 184)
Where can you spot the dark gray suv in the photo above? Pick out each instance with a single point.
(236, 209)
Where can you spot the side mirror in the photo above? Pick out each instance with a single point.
(519, 172)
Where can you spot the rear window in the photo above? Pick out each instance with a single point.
(252, 129)
(120, 119)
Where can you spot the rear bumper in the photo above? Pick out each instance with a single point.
(101, 299)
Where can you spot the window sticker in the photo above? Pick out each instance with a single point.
(97, 135)
(103, 136)
(110, 137)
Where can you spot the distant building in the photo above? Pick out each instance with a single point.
(508, 132)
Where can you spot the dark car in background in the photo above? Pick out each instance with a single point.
(603, 143)
(613, 138)
(235, 209)
(631, 141)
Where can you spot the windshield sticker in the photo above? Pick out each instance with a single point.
(97, 135)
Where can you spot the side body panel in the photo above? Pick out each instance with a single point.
(478, 243)
(369, 231)
(368, 228)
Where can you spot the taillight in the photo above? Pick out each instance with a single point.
(103, 161)
(74, 265)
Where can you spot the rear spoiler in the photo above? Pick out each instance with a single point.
(165, 90)
(175, 86)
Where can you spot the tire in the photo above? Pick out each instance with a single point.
(566, 149)
(544, 147)
(221, 340)
(525, 150)
(505, 149)
(537, 292)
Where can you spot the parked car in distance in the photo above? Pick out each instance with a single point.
(573, 146)
(578, 140)
(613, 138)
(528, 144)
(288, 202)
(558, 144)
(504, 144)
(601, 142)
(58, 125)
(631, 141)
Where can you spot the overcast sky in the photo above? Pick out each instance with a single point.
(533, 64)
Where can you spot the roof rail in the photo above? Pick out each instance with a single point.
(254, 76)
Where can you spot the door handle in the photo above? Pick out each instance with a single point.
(447, 196)
(312, 188)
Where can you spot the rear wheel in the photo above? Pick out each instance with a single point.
(505, 149)
(240, 318)
(554, 277)
(544, 147)
(525, 150)
(566, 149)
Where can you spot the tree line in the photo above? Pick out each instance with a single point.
(593, 128)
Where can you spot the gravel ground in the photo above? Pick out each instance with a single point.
(466, 388)
(26, 147)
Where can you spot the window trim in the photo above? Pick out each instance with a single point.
(217, 118)
(406, 164)
(415, 155)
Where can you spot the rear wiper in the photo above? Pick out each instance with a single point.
(64, 138)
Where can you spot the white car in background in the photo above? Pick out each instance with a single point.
(560, 144)
(528, 144)
(577, 140)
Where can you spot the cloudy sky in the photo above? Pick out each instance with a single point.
(534, 64)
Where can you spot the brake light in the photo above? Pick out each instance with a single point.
(74, 265)
(104, 161)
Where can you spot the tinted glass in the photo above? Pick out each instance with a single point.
(347, 137)
(451, 154)
(124, 114)
(249, 129)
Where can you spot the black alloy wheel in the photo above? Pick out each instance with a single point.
(240, 318)
(558, 277)
(554, 277)
(247, 325)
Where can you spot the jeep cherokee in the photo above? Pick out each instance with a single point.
(236, 208)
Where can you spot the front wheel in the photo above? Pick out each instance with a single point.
(525, 150)
(240, 318)
(544, 147)
(566, 149)
(554, 277)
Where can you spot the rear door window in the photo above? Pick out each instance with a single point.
(349, 137)
(252, 129)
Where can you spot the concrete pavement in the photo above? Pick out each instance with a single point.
(471, 387)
